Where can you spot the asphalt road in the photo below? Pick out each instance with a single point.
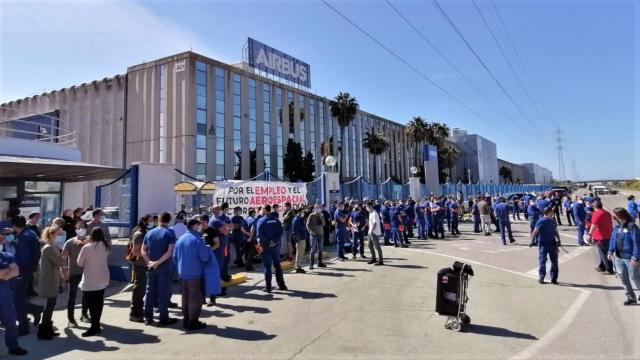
(355, 310)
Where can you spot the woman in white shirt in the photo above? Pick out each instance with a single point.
(95, 276)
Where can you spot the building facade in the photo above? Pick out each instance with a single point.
(478, 158)
(537, 174)
(517, 172)
(219, 121)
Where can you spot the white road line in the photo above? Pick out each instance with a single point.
(560, 326)
(556, 330)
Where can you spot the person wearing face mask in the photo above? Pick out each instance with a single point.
(69, 226)
(632, 207)
(33, 223)
(357, 222)
(97, 220)
(139, 277)
(580, 217)
(190, 256)
(24, 245)
(70, 252)
(624, 251)
(269, 230)
(49, 280)
(95, 277)
(299, 239)
(9, 270)
(316, 227)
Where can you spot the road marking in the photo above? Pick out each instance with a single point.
(555, 331)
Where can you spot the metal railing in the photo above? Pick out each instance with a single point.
(39, 131)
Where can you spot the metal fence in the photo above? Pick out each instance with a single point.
(314, 191)
(490, 188)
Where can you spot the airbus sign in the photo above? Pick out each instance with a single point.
(270, 60)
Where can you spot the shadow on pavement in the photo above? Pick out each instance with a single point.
(408, 266)
(345, 269)
(244, 308)
(330, 274)
(592, 286)
(236, 333)
(497, 331)
(308, 294)
(126, 336)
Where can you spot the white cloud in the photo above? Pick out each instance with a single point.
(91, 39)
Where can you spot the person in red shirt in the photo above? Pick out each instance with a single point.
(600, 233)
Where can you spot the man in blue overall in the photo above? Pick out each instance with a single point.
(437, 209)
(548, 241)
(447, 212)
(525, 205)
(396, 220)
(358, 223)
(421, 220)
(224, 245)
(502, 210)
(454, 209)
(25, 249)
(430, 220)
(269, 230)
(341, 230)
(411, 216)
(157, 250)
(9, 270)
(580, 217)
(534, 214)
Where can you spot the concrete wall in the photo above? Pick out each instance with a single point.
(477, 154)
(95, 110)
(517, 171)
(30, 148)
(536, 174)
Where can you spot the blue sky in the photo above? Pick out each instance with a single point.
(582, 57)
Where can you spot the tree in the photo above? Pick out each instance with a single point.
(308, 168)
(505, 173)
(436, 134)
(447, 157)
(293, 161)
(344, 108)
(417, 131)
(377, 144)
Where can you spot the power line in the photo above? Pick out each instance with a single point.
(422, 75)
(448, 61)
(484, 65)
(506, 58)
(558, 141)
(526, 72)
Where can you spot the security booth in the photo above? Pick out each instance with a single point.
(46, 185)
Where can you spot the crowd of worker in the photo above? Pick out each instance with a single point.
(196, 249)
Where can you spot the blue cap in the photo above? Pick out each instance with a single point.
(217, 224)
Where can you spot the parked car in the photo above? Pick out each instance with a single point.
(602, 190)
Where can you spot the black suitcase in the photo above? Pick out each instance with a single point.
(447, 292)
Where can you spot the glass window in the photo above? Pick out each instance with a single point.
(201, 102)
(42, 186)
(201, 90)
(201, 116)
(220, 106)
(236, 87)
(201, 128)
(201, 78)
(201, 66)
(201, 156)
(220, 157)
(201, 169)
(201, 142)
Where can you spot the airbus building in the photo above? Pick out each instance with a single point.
(210, 119)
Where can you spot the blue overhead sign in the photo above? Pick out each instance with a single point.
(272, 61)
(429, 152)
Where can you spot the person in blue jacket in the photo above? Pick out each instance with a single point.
(624, 251)
(190, 256)
(386, 222)
(454, 209)
(269, 230)
(502, 209)
(534, 214)
(157, 250)
(632, 207)
(237, 236)
(447, 212)
(9, 270)
(548, 237)
(23, 244)
(525, 205)
(580, 217)
(410, 218)
(299, 237)
(542, 202)
(358, 222)
(438, 209)
(421, 220)
(567, 205)
(396, 221)
(340, 217)
(225, 243)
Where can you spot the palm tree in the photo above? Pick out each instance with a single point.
(344, 108)
(377, 144)
(417, 131)
(436, 134)
(448, 156)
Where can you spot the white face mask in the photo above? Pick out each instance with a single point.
(81, 232)
(60, 239)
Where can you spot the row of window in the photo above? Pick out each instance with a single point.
(356, 161)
